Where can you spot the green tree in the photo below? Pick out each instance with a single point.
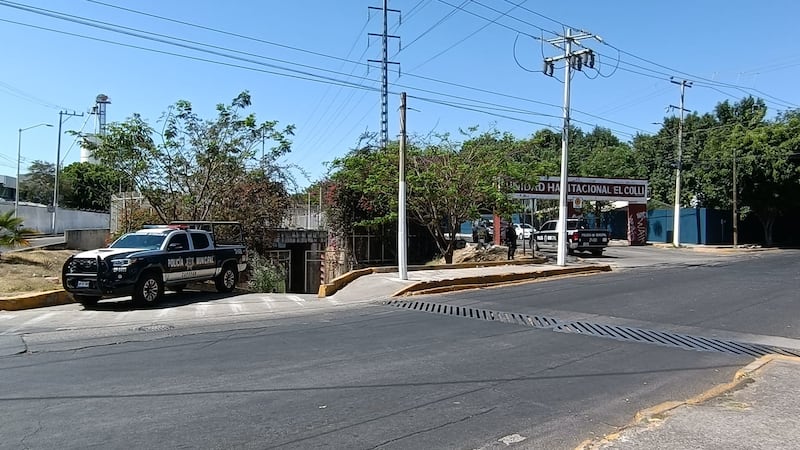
(190, 168)
(447, 184)
(37, 185)
(89, 186)
(767, 169)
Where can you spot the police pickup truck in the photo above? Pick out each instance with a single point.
(143, 263)
(579, 237)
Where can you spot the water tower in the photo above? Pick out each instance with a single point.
(99, 111)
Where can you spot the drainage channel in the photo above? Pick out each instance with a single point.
(616, 332)
(476, 313)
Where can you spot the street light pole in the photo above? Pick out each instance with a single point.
(19, 158)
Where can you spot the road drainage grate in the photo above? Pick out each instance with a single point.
(665, 339)
(155, 327)
(620, 333)
(476, 313)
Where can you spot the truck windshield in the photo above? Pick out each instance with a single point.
(133, 240)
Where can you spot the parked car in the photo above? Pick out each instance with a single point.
(523, 230)
(145, 262)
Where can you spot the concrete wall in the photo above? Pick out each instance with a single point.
(86, 239)
(37, 217)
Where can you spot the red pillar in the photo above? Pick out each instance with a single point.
(637, 224)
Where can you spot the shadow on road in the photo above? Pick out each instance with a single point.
(169, 300)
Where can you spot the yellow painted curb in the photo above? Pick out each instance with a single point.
(478, 281)
(658, 412)
(29, 301)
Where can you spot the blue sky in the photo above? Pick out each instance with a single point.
(462, 63)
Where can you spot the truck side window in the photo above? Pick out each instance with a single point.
(199, 241)
(178, 242)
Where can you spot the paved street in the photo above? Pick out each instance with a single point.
(289, 371)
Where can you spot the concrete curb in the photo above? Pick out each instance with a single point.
(437, 286)
(28, 301)
(660, 411)
(343, 280)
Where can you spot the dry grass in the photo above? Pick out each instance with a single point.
(31, 271)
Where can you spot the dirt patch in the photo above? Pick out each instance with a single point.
(31, 271)
(471, 253)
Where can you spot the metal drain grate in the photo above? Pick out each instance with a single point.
(665, 339)
(155, 327)
(620, 333)
(476, 313)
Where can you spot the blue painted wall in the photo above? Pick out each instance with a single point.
(698, 226)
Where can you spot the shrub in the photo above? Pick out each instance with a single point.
(266, 275)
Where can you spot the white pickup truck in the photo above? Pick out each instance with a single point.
(579, 237)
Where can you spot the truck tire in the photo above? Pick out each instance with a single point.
(227, 279)
(149, 289)
(87, 300)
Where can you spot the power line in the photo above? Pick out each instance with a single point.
(465, 38)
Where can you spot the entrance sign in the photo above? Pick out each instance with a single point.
(584, 188)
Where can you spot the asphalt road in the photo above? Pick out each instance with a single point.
(377, 376)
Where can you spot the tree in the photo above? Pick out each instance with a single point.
(447, 184)
(37, 186)
(767, 171)
(11, 230)
(89, 186)
(195, 168)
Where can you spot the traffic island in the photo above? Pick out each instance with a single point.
(482, 281)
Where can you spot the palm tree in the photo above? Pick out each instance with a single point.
(11, 231)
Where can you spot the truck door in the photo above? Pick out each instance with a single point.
(179, 264)
(204, 264)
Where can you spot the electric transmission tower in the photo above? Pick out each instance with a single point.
(385, 69)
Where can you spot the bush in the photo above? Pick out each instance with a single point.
(266, 275)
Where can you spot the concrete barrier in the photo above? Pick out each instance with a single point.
(86, 239)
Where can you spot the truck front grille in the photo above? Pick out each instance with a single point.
(84, 265)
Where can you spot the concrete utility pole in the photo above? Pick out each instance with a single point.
(385, 70)
(576, 59)
(402, 232)
(61, 120)
(676, 220)
(735, 213)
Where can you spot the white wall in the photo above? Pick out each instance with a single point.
(37, 218)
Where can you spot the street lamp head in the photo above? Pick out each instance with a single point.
(37, 125)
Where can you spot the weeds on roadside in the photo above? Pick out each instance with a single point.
(265, 275)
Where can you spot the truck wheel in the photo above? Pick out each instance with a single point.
(597, 252)
(226, 280)
(149, 289)
(87, 300)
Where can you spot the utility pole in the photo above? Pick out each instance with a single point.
(402, 233)
(577, 60)
(385, 70)
(676, 220)
(61, 120)
(735, 213)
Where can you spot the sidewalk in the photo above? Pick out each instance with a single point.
(757, 410)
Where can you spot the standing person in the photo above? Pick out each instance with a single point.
(511, 240)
